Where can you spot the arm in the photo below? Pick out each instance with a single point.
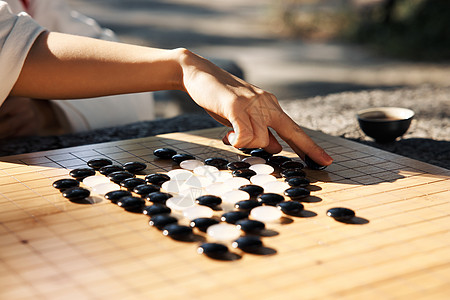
(65, 66)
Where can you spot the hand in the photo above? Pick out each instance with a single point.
(249, 110)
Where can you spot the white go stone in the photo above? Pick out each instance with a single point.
(206, 171)
(92, 181)
(234, 196)
(180, 202)
(198, 211)
(223, 232)
(221, 176)
(254, 160)
(191, 164)
(179, 174)
(266, 213)
(192, 192)
(217, 189)
(103, 188)
(277, 187)
(202, 180)
(262, 168)
(236, 182)
(262, 179)
(173, 186)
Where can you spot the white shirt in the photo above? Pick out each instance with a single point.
(17, 35)
(18, 32)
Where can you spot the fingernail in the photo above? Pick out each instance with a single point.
(327, 157)
(232, 137)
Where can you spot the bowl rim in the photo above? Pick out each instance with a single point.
(409, 113)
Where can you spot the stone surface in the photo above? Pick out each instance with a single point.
(160, 221)
(131, 183)
(202, 224)
(157, 178)
(237, 165)
(97, 163)
(265, 213)
(156, 209)
(341, 213)
(118, 176)
(134, 166)
(81, 173)
(145, 189)
(115, 195)
(65, 183)
(106, 170)
(223, 232)
(76, 193)
(92, 181)
(158, 197)
(164, 153)
(130, 203)
(104, 188)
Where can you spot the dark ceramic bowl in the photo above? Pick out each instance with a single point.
(385, 124)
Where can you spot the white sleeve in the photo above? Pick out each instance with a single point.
(17, 35)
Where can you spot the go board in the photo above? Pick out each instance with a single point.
(397, 246)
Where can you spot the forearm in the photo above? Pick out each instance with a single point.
(61, 66)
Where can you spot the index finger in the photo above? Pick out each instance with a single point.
(299, 141)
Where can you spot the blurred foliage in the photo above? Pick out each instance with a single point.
(408, 29)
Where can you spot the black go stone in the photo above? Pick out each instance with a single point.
(177, 232)
(134, 166)
(106, 170)
(291, 165)
(252, 189)
(66, 183)
(297, 181)
(164, 153)
(250, 226)
(213, 250)
(270, 198)
(81, 173)
(290, 207)
(246, 205)
(246, 173)
(246, 150)
(202, 224)
(312, 164)
(260, 153)
(158, 197)
(236, 165)
(156, 209)
(296, 193)
(218, 162)
(209, 200)
(115, 196)
(233, 216)
(131, 183)
(76, 193)
(146, 189)
(160, 221)
(130, 203)
(119, 176)
(98, 163)
(341, 213)
(277, 160)
(178, 158)
(293, 173)
(157, 178)
(248, 243)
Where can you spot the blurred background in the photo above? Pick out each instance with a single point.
(295, 48)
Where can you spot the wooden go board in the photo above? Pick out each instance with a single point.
(398, 246)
